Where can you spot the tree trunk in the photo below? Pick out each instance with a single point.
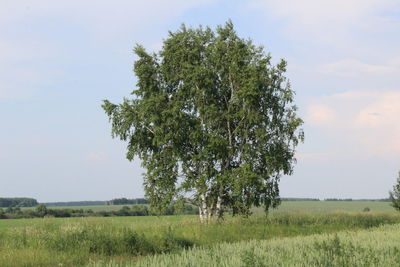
(203, 211)
(218, 210)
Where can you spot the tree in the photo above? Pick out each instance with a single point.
(394, 195)
(212, 118)
(41, 210)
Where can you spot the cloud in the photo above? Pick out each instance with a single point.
(320, 114)
(21, 70)
(379, 123)
(352, 68)
(327, 21)
(101, 17)
(347, 74)
(32, 53)
(366, 120)
(310, 11)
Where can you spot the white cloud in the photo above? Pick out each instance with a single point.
(28, 48)
(329, 20)
(19, 71)
(102, 17)
(352, 68)
(311, 11)
(320, 114)
(379, 123)
(368, 121)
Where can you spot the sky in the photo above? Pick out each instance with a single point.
(60, 59)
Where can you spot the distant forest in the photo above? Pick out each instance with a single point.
(31, 202)
(18, 202)
(76, 203)
(116, 201)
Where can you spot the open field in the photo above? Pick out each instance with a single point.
(374, 247)
(332, 206)
(82, 241)
(93, 208)
(286, 206)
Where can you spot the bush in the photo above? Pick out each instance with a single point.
(394, 195)
(2, 214)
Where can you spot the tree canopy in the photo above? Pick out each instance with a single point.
(211, 118)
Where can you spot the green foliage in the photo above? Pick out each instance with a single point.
(394, 195)
(135, 210)
(41, 210)
(211, 108)
(124, 201)
(14, 210)
(18, 202)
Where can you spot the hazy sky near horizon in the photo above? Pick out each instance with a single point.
(60, 59)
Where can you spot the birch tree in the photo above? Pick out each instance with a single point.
(211, 119)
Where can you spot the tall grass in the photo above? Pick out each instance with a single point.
(78, 241)
(373, 247)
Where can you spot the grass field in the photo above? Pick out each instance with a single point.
(133, 240)
(93, 208)
(286, 206)
(375, 247)
(330, 206)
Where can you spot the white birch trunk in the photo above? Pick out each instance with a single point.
(203, 209)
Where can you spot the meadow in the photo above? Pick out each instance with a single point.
(373, 247)
(159, 241)
(330, 206)
(286, 206)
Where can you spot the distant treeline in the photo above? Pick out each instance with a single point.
(333, 199)
(75, 203)
(136, 210)
(298, 199)
(18, 202)
(125, 201)
(350, 199)
(31, 202)
(116, 201)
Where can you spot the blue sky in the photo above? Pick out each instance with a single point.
(59, 59)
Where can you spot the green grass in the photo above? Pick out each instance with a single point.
(133, 240)
(374, 247)
(286, 206)
(79, 241)
(332, 206)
